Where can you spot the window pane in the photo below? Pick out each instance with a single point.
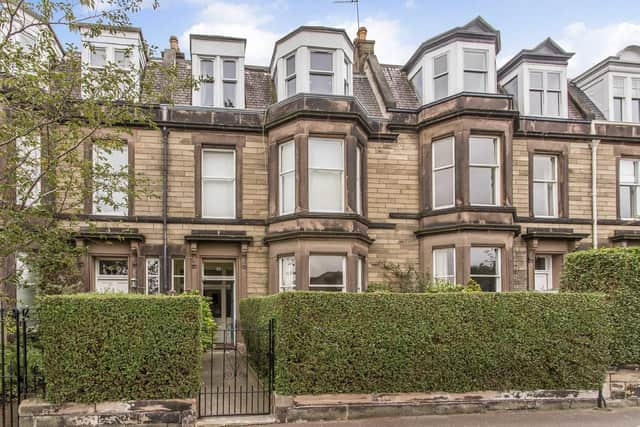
(443, 187)
(153, 276)
(117, 162)
(484, 261)
(626, 202)
(326, 270)
(441, 86)
(287, 273)
(291, 65)
(487, 284)
(553, 81)
(617, 109)
(218, 268)
(321, 83)
(481, 186)
(113, 267)
(229, 70)
(475, 60)
(416, 81)
(635, 88)
(444, 264)
(541, 206)
(99, 57)
(440, 65)
(636, 110)
(628, 171)
(535, 80)
(618, 86)
(291, 87)
(287, 157)
(325, 154)
(482, 151)
(443, 152)
(218, 199)
(322, 61)
(121, 58)
(325, 190)
(206, 69)
(229, 94)
(207, 93)
(218, 164)
(544, 168)
(553, 103)
(535, 102)
(474, 81)
(288, 192)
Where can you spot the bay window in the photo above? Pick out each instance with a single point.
(327, 273)
(229, 82)
(206, 82)
(326, 175)
(443, 180)
(290, 75)
(629, 188)
(440, 77)
(287, 273)
(287, 188)
(321, 72)
(618, 98)
(483, 171)
(110, 194)
(444, 265)
(485, 268)
(218, 183)
(475, 71)
(545, 185)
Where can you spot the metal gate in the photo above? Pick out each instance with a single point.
(238, 373)
(21, 374)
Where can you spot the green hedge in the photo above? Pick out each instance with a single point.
(617, 272)
(99, 347)
(456, 342)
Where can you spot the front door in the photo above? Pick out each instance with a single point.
(218, 284)
(112, 275)
(543, 279)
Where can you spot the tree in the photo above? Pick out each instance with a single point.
(51, 108)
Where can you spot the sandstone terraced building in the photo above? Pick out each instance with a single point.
(313, 171)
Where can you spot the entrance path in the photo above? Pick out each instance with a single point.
(619, 417)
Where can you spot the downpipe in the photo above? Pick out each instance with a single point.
(165, 203)
(594, 188)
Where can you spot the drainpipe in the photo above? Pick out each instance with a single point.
(594, 194)
(165, 176)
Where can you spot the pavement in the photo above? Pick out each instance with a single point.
(619, 417)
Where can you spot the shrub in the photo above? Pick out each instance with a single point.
(617, 272)
(445, 342)
(99, 347)
(209, 326)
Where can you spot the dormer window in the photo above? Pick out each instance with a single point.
(290, 75)
(321, 72)
(206, 82)
(98, 57)
(230, 82)
(440, 76)
(544, 93)
(475, 71)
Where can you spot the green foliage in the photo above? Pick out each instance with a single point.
(473, 286)
(615, 271)
(99, 347)
(379, 287)
(446, 342)
(209, 326)
(405, 279)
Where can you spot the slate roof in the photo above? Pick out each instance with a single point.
(547, 51)
(364, 93)
(403, 93)
(258, 88)
(584, 103)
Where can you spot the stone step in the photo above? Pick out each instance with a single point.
(252, 420)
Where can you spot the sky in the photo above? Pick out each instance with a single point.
(591, 29)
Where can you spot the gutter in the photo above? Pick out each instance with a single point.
(164, 108)
(594, 189)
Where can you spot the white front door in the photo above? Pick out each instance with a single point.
(218, 284)
(544, 273)
(112, 275)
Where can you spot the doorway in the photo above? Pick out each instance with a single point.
(219, 285)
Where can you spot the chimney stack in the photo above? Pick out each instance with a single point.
(363, 48)
(173, 43)
(169, 56)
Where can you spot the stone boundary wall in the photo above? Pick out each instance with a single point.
(168, 413)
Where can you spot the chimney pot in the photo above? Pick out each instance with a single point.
(362, 33)
(173, 43)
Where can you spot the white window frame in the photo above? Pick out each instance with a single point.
(31, 164)
(552, 186)
(435, 169)
(122, 210)
(174, 276)
(498, 275)
(94, 49)
(443, 74)
(635, 100)
(634, 188)
(548, 272)
(233, 81)
(331, 73)
(359, 180)
(282, 174)
(544, 92)
(347, 76)
(360, 271)
(147, 276)
(495, 167)
(117, 277)
(288, 77)
(440, 277)
(343, 286)
(484, 72)
(127, 58)
(622, 99)
(209, 80)
(219, 179)
(281, 273)
(341, 170)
